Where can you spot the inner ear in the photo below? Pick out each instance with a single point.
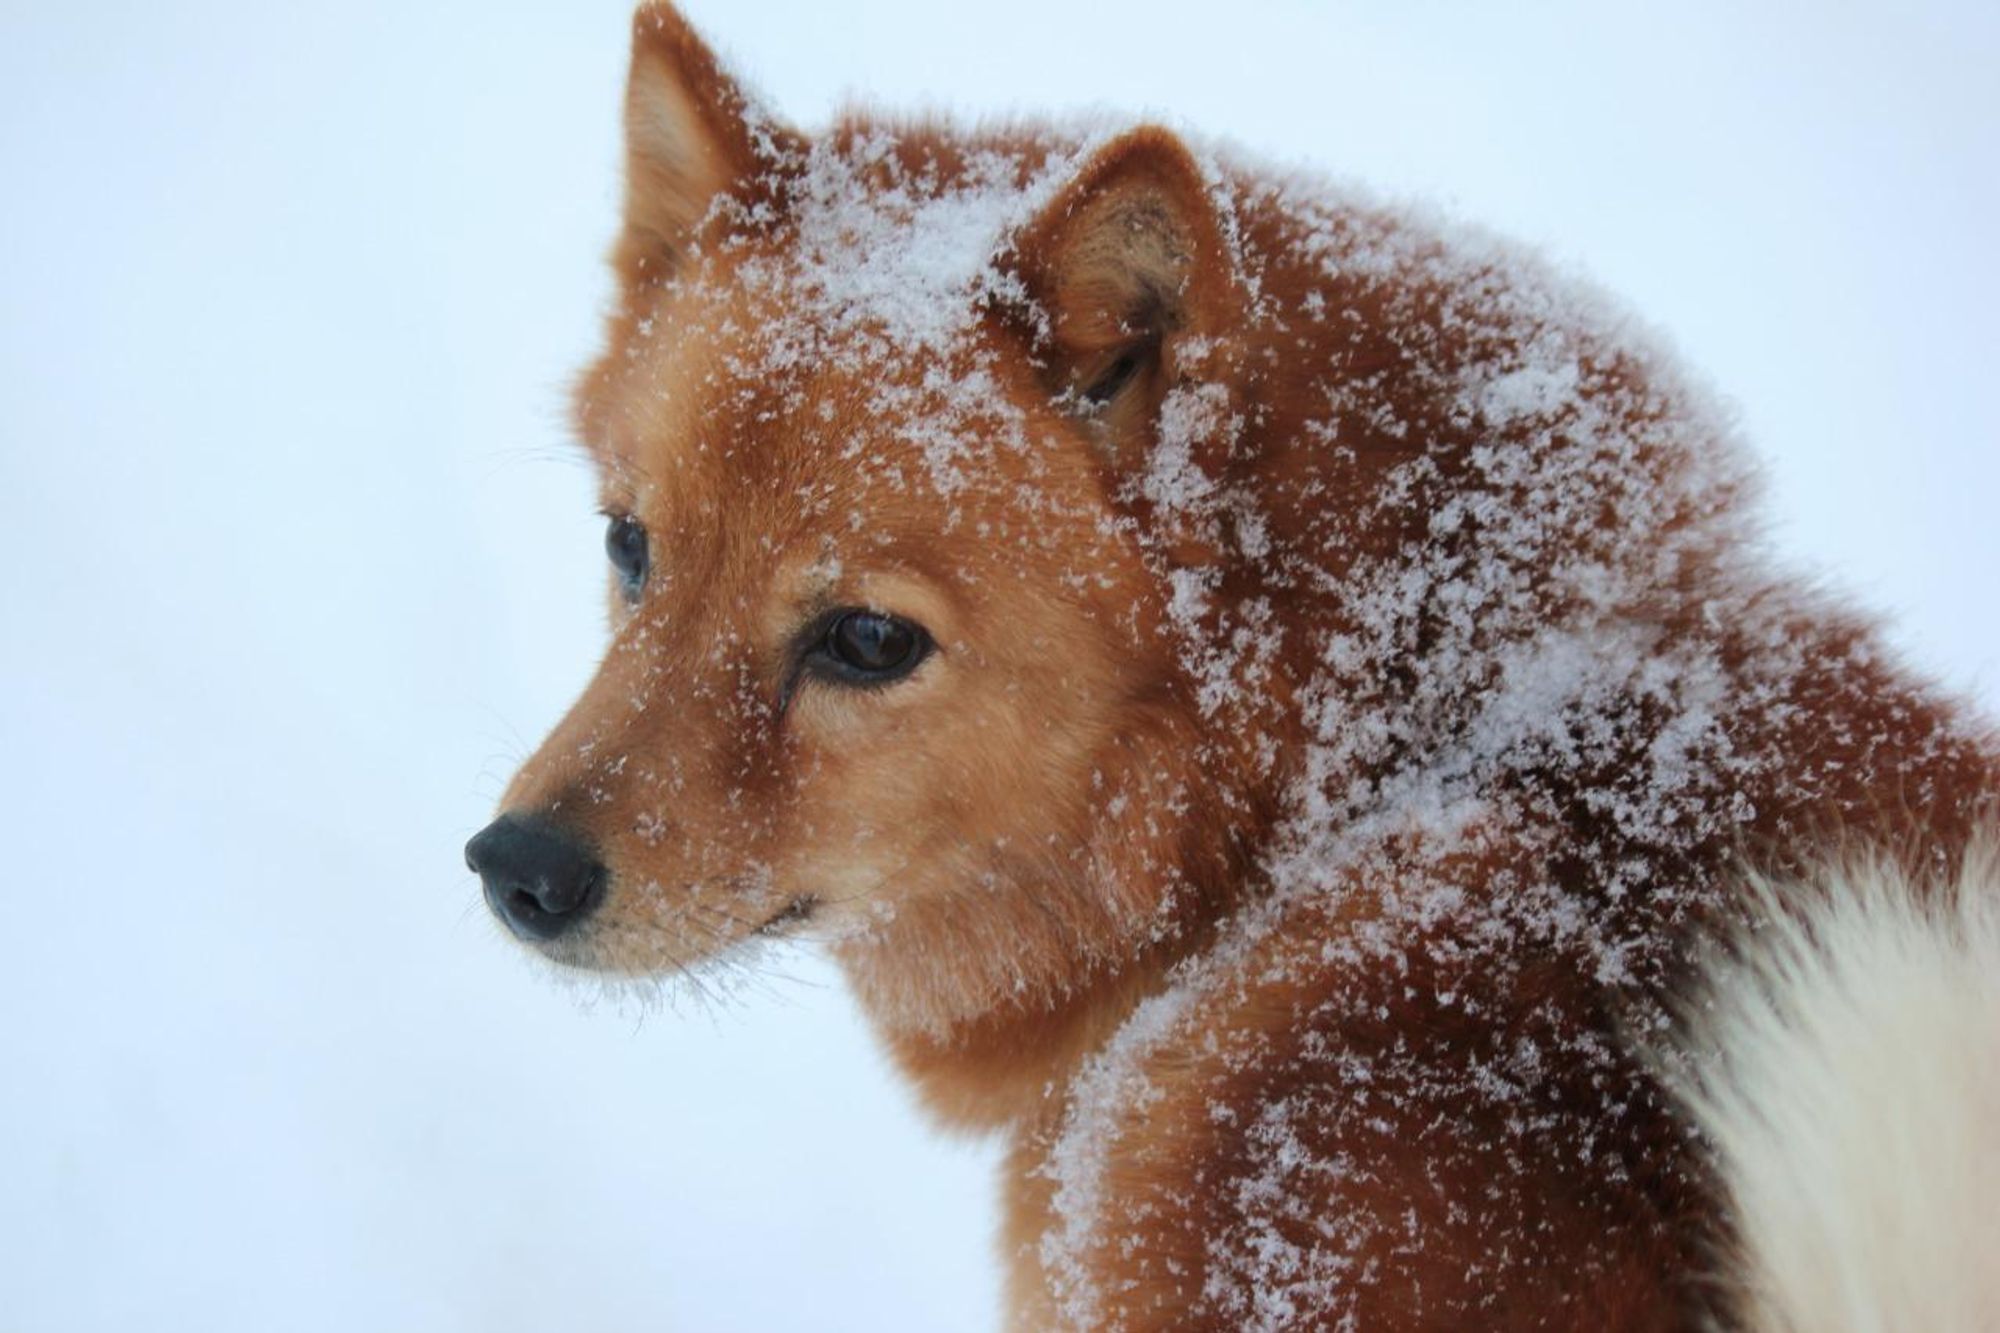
(1103, 386)
(1098, 366)
(1117, 392)
(1123, 267)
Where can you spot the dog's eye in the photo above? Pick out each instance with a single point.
(867, 647)
(859, 649)
(625, 543)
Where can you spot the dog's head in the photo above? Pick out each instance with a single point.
(893, 659)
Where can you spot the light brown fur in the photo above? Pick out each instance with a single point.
(1015, 848)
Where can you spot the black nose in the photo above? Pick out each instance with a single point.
(539, 879)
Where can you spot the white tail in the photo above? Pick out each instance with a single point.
(1845, 1067)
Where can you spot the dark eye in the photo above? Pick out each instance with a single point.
(869, 648)
(625, 543)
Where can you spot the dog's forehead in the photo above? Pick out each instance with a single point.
(841, 363)
(745, 393)
(736, 382)
(764, 471)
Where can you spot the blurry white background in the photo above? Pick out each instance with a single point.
(296, 563)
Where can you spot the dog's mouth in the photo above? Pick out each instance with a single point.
(639, 951)
(793, 913)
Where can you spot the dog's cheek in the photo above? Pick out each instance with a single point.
(845, 818)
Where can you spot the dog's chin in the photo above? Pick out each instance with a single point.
(576, 953)
(657, 950)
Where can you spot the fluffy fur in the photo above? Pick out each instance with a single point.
(1844, 1063)
(1358, 690)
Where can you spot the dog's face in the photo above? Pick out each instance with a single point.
(841, 683)
(887, 661)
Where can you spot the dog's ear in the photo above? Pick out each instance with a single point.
(1128, 272)
(692, 136)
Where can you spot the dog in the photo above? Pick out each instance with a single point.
(1279, 710)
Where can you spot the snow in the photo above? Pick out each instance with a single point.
(910, 262)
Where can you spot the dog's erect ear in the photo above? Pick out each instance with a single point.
(691, 136)
(1127, 269)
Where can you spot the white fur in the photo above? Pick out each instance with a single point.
(1845, 1066)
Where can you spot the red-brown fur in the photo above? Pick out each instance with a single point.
(1055, 816)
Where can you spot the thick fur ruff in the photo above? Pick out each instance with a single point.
(1845, 1065)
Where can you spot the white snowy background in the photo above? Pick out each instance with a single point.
(297, 562)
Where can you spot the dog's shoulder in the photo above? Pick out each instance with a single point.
(1357, 1104)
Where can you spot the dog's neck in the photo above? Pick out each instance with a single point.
(1006, 1066)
